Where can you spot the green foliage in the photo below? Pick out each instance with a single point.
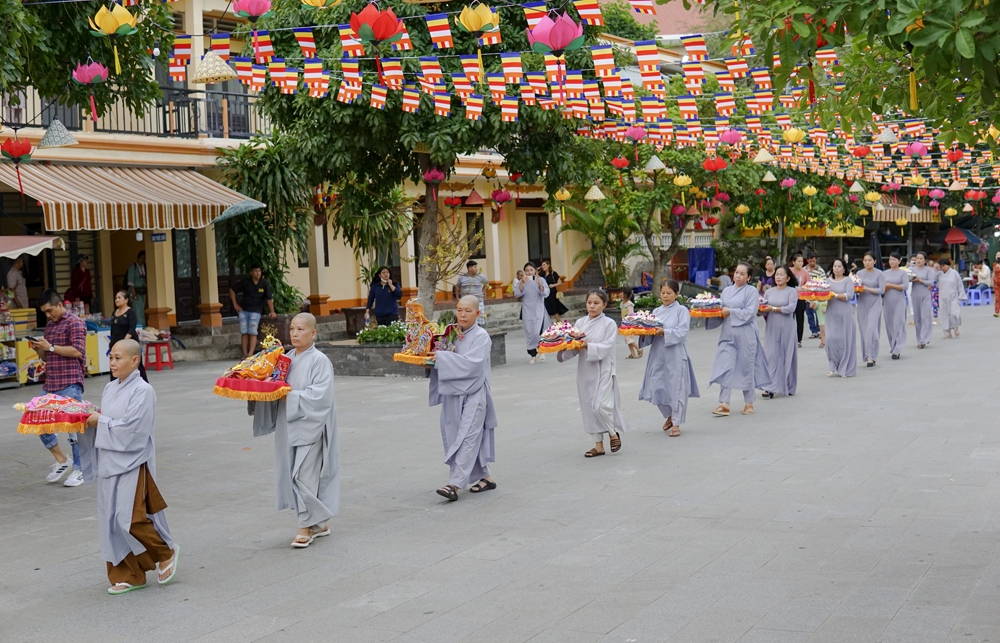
(446, 317)
(731, 247)
(43, 43)
(619, 21)
(370, 223)
(613, 235)
(260, 170)
(648, 301)
(394, 333)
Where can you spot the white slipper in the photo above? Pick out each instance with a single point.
(128, 588)
(302, 545)
(172, 567)
(320, 534)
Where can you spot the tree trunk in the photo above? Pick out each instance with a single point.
(427, 277)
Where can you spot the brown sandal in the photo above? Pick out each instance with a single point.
(593, 453)
(616, 443)
(721, 411)
(669, 424)
(748, 409)
(675, 432)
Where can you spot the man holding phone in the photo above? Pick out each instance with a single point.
(63, 350)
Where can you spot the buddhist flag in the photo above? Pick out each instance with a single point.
(474, 107)
(304, 36)
(426, 86)
(322, 88)
(738, 67)
(590, 12)
(776, 61)
(826, 57)
(784, 121)
(351, 71)
(726, 81)
(725, 104)
(291, 82)
(513, 71)
(244, 70)
(528, 95)
(761, 77)
(178, 70)
(462, 85)
(695, 47)
(411, 100)
(765, 100)
(312, 71)
(276, 70)
(694, 75)
(264, 48)
(743, 47)
(404, 43)
(258, 77)
(574, 83)
(440, 30)
(651, 79)
(628, 93)
(653, 108)
(612, 85)
(533, 13)
(497, 87)
(379, 96)
(597, 110)
(752, 106)
(604, 60)
(591, 90)
(787, 101)
(643, 6)
(649, 58)
(536, 80)
(508, 109)
(431, 69)
(182, 48)
(721, 123)
(351, 46)
(220, 45)
(688, 107)
(348, 93)
(491, 38)
(555, 70)
(442, 103)
(392, 73)
(470, 65)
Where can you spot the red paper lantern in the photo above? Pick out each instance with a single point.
(861, 151)
(620, 162)
(955, 156)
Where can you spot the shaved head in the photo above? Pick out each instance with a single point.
(308, 319)
(467, 311)
(124, 358)
(302, 331)
(470, 300)
(129, 347)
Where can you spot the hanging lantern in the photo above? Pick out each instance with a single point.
(810, 191)
(763, 156)
(555, 37)
(635, 133)
(91, 74)
(834, 190)
(968, 208)
(760, 192)
(213, 69)
(793, 135)
(374, 27)
(742, 209)
(474, 198)
(917, 180)
(321, 4)
(433, 177)
(477, 19)
(56, 136)
(872, 197)
(915, 150)
(682, 181)
(956, 185)
(768, 177)
(562, 195)
(113, 24)
(788, 184)
(950, 212)
(594, 194)
(901, 221)
(18, 151)
(253, 10)
(853, 198)
(731, 136)
(489, 170)
(654, 165)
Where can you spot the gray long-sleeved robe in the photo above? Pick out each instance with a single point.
(870, 311)
(533, 314)
(781, 340)
(306, 452)
(111, 455)
(841, 337)
(669, 380)
(596, 376)
(923, 311)
(740, 362)
(951, 291)
(894, 305)
(460, 383)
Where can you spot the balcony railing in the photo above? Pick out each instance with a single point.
(180, 113)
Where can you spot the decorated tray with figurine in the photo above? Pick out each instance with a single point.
(640, 323)
(562, 336)
(858, 286)
(54, 414)
(706, 305)
(425, 337)
(762, 306)
(258, 378)
(816, 290)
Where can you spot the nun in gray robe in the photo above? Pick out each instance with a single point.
(532, 294)
(951, 292)
(841, 336)
(923, 311)
(894, 305)
(597, 378)
(870, 311)
(460, 383)
(781, 340)
(306, 452)
(669, 380)
(120, 456)
(740, 362)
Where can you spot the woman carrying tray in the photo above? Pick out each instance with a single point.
(923, 312)
(894, 301)
(841, 336)
(596, 377)
(740, 362)
(781, 338)
(870, 308)
(669, 380)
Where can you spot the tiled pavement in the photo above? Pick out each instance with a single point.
(860, 510)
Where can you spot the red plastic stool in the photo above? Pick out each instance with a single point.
(159, 362)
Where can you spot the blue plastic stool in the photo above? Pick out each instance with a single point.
(975, 298)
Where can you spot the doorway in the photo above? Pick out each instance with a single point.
(538, 237)
(187, 289)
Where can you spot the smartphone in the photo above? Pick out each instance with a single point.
(31, 339)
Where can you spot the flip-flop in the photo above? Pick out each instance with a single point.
(675, 432)
(720, 412)
(302, 544)
(483, 485)
(128, 588)
(172, 567)
(319, 534)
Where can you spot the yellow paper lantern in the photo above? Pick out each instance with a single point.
(682, 180)
(918, 180)
(561, 195)
(742, 209)
(478, 19)
(901, 221)
(872, 197)
(950, 212)
(809, 191)
(793, 135)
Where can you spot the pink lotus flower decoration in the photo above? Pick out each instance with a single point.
(731, 137)
(500, 196)
(936, 193)
(252, 10)
(90, 74)
(635, 133)
(915, 150)
(895, 186)
(678, 210)
(432, 177)
(934, 204)
(723, 196)
(853, 197)
(556, 36)
(996, 197)
(788, 183)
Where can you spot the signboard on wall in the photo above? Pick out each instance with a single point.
(158, 237)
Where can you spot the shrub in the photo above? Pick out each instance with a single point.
(394, 333)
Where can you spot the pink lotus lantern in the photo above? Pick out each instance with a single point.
(915, 150)
(432, 177)
(635, 133)
(500, 196)
(556, 37)
(678, 210)
(936, 193)
(723, 196)
(934, 203)
(996, 200)
(731, 136)
(853, 198)
(894, 188)
(91, 74)
(788, 184)
(253, 10)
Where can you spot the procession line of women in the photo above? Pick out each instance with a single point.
(742, 362)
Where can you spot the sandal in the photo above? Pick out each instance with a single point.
(669, 424)
(675, 432)
(172, 567)
(748, 409)
(822, 344)
(449, 491)
(325, 531)
(767, 395)
(814, 336)
(640, 350)
(593, 453)
(616, 443)
(721, 411)
(126, 588)
(483, 485)
(301, 542)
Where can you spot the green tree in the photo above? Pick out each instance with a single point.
(619, 21)
(43, 43)
(613, 234)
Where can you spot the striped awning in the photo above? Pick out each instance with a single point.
(83, 197)
(892, 211)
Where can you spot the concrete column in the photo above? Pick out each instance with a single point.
(317, 274)
(491, 245)
(160, 280)
(408, 264)
(105, 270)
(208, 278)
(193, 24)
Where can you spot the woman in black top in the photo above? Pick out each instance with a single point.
(553, 306)
(123, 323)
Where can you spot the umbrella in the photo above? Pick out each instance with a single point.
(958, 236)
(876, 250)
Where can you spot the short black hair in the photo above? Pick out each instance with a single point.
(810, 255)
(142, 253)
(672, 285)
(49, 298)
(944, 261)
(895, 253)
(255, 266)
(627, 292)
(792, 281)
(532, 265)
(600, 294)
(470, 263)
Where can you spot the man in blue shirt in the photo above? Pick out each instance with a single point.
(383, 298)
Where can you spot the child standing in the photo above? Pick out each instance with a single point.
(627, 309)
(596, 378)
